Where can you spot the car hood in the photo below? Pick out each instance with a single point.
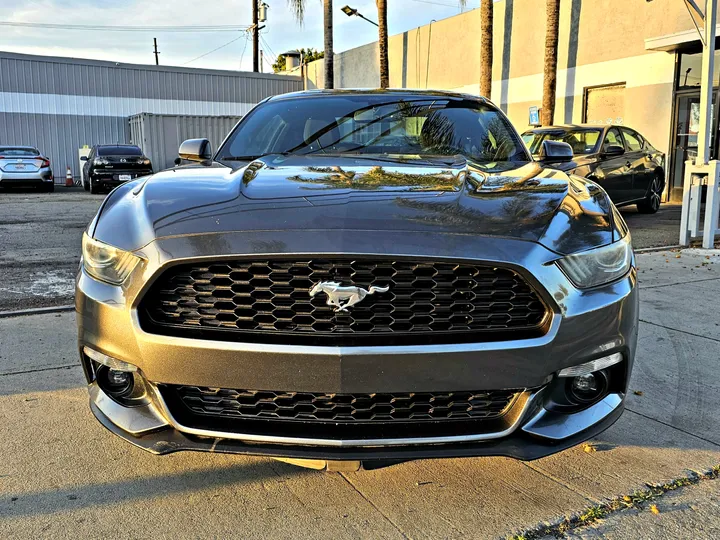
(360, 193)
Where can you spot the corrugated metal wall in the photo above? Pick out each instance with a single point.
(62, 104)
(160, 135)
(60, 136)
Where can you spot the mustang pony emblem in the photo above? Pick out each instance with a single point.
(344, 297)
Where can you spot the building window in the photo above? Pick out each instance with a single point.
(691, 69)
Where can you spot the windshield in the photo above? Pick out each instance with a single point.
(18, 152)
(376, 124)
(583, 141)
(119, 151)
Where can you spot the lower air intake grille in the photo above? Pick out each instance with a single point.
(346, 408)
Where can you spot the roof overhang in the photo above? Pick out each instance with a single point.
(672, 42)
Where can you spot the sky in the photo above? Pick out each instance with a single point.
(282, 31)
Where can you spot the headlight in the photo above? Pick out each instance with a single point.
(105, 262)
(598, 266)
(145, 162)
(101, 161)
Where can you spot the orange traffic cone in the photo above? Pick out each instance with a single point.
(68, 178)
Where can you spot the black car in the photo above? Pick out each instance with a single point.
(359, 276)
(109, 165)
(618, 158)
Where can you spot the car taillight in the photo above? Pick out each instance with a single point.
(44, 163)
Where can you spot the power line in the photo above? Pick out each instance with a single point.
(223, 28)
(247, 40)
(215, 49)
(267, 47)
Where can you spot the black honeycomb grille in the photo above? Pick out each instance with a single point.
(345, 408)
(427, 302)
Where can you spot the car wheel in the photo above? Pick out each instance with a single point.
(85, 185)
(50, 188)
(93, 187)
(651, 203)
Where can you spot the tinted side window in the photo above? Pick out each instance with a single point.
(632, 142)
(612, 139)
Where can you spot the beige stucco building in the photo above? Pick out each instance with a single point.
(633, 62)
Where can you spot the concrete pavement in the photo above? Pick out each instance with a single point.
(63, 475)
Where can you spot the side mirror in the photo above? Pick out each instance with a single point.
(195, 150)
(178, 161)
(614, 150)
(555, 152)
(83, 158)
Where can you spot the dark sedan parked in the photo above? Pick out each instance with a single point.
(108, 166)
(618, 158)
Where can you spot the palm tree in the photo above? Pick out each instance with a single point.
(552, 12)
(486, 46)
(298, 6)
(383, 43)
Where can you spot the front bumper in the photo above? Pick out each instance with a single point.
(585, 325)
(543, 433)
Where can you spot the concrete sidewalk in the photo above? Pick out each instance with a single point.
(63, 475)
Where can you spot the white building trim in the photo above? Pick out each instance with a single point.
(60, 104)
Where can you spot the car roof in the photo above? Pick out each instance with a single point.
(370, 91)
(116, 145)
(18, 147)
(568, 127)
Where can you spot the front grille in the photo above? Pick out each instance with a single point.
(269, 301)
(320, 407)
(343, 416)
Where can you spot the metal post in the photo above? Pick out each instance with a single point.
(712, 199)
(706, 83)
(256, 41)
(701, 171)
(261, 60)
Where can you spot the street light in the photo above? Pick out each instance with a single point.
(347, 10)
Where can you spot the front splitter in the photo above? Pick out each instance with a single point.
(519, 445)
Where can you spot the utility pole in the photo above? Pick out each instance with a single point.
(157, 62)
(256, 34)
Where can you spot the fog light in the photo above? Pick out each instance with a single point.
(118, 378)
(588, 387)
(114, 382)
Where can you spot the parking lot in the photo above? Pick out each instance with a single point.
(63, 475)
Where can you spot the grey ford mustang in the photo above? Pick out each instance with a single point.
(359, 277)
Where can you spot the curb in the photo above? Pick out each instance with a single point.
(35, 311)
(658, 248)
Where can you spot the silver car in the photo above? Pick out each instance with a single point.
(23, 167)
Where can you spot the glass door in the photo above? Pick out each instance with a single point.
(686, 132)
